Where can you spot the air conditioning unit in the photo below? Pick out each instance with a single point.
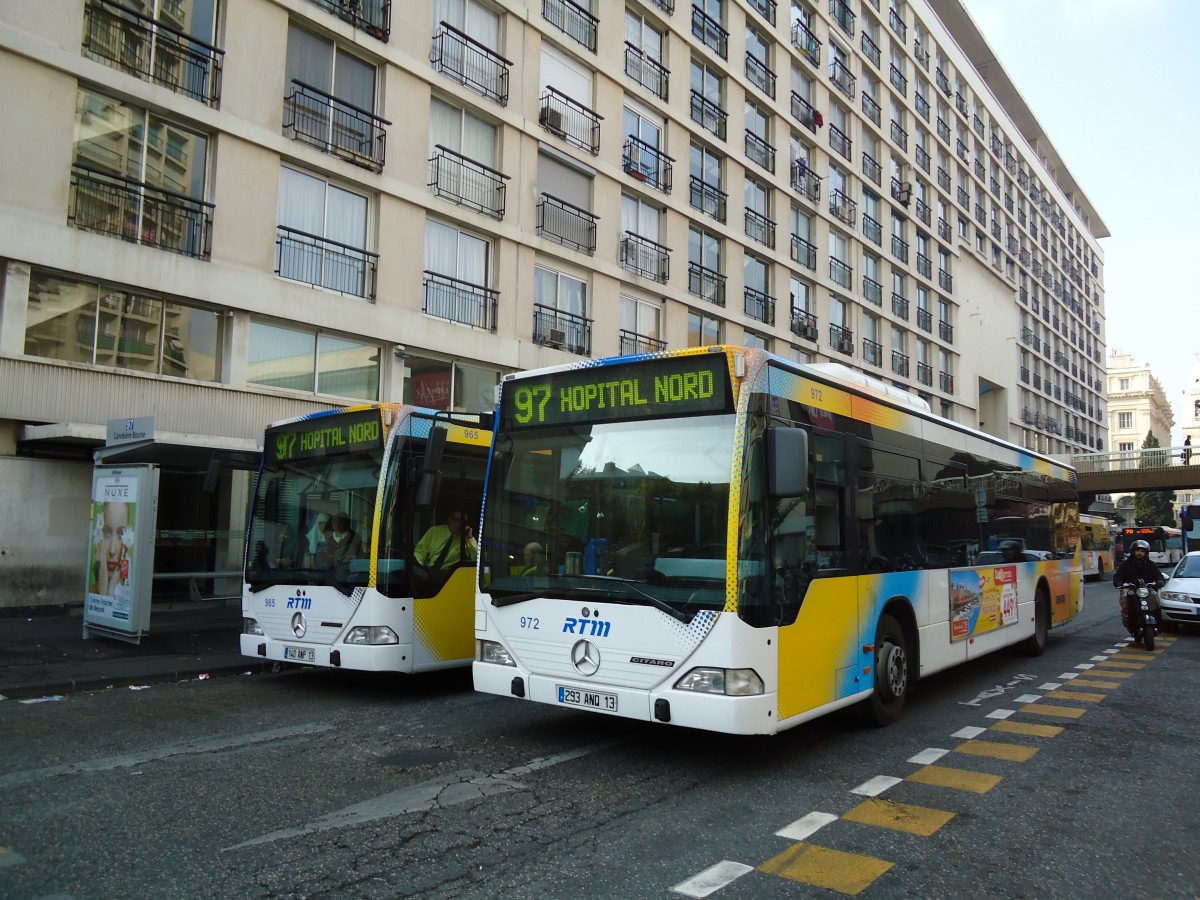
(810, 332)
(838, 210)
(904, 194)
(557, 337)
(552, 120)
(845, 347)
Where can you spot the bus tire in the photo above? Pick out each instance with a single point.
(1035, 644)
(891, 674)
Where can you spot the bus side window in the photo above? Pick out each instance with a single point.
(828, 528)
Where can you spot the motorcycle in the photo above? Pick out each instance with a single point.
(1141, 605)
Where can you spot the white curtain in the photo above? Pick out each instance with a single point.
(355, 82)
(301, 202)
(309, 59)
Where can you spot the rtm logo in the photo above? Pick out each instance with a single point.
(589, 627)
(299, 603)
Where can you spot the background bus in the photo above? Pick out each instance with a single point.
(1096, 545)
(1166, 543)
(342, 499)
(719, 538)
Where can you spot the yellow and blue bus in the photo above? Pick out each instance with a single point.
(720, 538)
(1096, 545)
(343, 499)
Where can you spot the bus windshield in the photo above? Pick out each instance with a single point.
(628, 511)
(310, 520)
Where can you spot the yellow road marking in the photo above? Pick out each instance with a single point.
(1012, 727)
(1075, 695)
(847, 873)
(1113, 673)
(959, 779)
(1117, 664)
(996, 750)
(899, 816)
(1046, 709)
(1088, 683)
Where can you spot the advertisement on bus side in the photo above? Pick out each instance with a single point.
(982, 600)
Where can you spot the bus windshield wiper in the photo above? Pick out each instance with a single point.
(512, 599)
(657, 602)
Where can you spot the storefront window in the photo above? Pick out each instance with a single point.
(441, 384)
(305, 361)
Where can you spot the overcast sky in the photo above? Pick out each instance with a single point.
(1116, 86)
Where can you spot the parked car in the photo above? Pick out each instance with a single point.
(1180, 597)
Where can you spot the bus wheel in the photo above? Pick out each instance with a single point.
(1035, 644)
(891, 674)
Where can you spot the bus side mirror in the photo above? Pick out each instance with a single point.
(429, 480)
(1185, 523)
(787, 462)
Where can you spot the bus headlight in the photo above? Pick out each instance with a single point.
(371, 634)
(251, 626)
(730, 682)
(491, 652)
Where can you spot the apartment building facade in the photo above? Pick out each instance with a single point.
(228, 213)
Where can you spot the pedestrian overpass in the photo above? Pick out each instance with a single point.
(1130, 471)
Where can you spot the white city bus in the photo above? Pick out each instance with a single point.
(719, 538)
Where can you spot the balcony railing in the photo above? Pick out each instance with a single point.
(320, 119)
(900, 363)
(631, 342)
(566, 223)
(839, 11)
(924, 319)
(805, 113)
(924, 213)
(921, 54)
(872, 290)
(372, 16)
(707, 198)
(840, 143)
(842, 207)
(943, 230)
(872, 352)
(899, 248)
(899, 135)
(759, 306)
(645, 163)
(759, 74)
(870, 108)
(922, 158)
(646, 71)
(870, 49)
(922, 105)
(898, 79)
(924, 266)
(765, 8)
(806, 42)
(708, 115)
(573, 20)
(840, 272)
(900, 306)
(806, 182)
(645, 257)
(943, 82)
(897, 25)
(946, 331)
(459, 56)
(319, 261)
(760, 228)
(842, 339)
(841, 77)
(706, 284)
(943, 129)
(460, 301)
(759, 151)
(564, 330)
(945, 281)
(943, 179)
(139, 213)
(466, 182)
(804, 252)
(804, 324)
(872, 230)
(151, 51)
(871, 168)
(925, 373)
(710, 32)
(570, 120)
(946, 382)
(960, 104)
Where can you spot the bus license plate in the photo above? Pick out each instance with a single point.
(303, 654)
(587, 699)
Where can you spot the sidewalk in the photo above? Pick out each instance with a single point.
(43, 655)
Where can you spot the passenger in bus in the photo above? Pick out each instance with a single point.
(534, 559)
(344, 544)
(316, 540)
(442, 546)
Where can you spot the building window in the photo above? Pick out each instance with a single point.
(1124, 420)
(105, 325)
(1122, 384)
(560, 311)
(442, 384)
(644, 59)
(466, 47)
(703, 330)
(463, 159)
(641, 326)
(322, 235)
(457, 274)
(313, 362)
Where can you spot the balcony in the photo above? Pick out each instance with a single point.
(943, 230)
(899, 135)
(804, 252)
(706, 284)
(765, 8)
(563, 330)
(946, 331)
(946, 382)
(871, 168)
(630, 342)
(806, 42)
(840, 273)
(325, 263)
(806, 182)
(759, 306)
(925, 373)
(943, 129)
(460, 301)
(872, 290)
(759, 228)
(945, 282)
(462, 58)
(805, 113)
(645, 257)
(897, 25)
(961, 149)
(872, 230)
(924, 213)
(643, 162)
(872, 352)
(709, 32)
(759, 151)
(960, 104)
(870, 49)
(839, 143)
(870, 108)
(708, 115)
(922, 158)
(804, 324)
(759, 74)
(921, 54)
(924, 266)
(707, 198)
(374, 16)
(942, 81)
(924, 320)
(151, 51)
(842, 207)
(842, 339)
(977, 123)
(841, 77)
(314, 117)
(964, 199)
(646, 71)
(922, 105)
(943, 179)
(900, 306)
(899, 248)
(1024, 374)
(466, 182)
(560, 221)
(569, 120)
(900, 363)
(898, 79)
(139, 213)
(572, 20)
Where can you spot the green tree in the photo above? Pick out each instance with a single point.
(1153, 507)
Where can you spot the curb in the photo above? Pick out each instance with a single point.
(65, 685)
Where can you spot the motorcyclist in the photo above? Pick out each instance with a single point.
(1137, 565)
(1012, 551)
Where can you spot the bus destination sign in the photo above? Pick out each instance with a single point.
(673, 386)
(350, 432)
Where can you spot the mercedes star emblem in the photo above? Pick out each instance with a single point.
(299, 626)
(585, 657)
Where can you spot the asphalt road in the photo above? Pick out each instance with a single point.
(313, 783)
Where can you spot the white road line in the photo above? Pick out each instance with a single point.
(1050, 686)
(971, 731)
(806, 827)
(1067, 676)
(875, 786)
(928, 756)
(449, 790)
(1112, 650)
(1000, 713)
(1099, 658)
(200, 745)
(1086, 666)
(712, 879)
(1028, 698)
